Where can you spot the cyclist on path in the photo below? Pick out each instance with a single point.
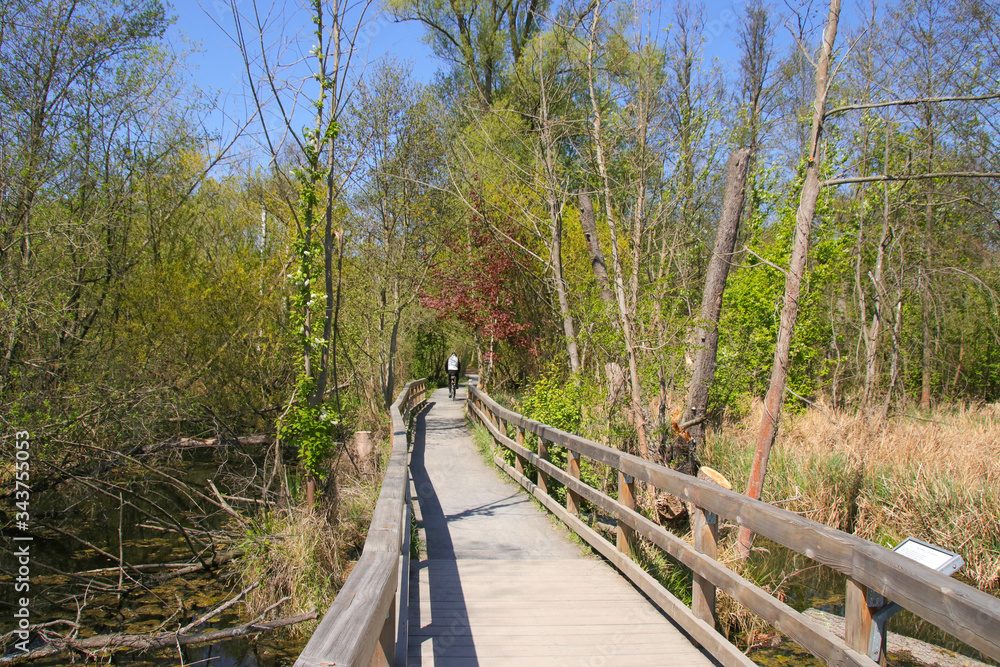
(453, 366)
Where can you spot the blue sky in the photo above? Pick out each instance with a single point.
(217, 67)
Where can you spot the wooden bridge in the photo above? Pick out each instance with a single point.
(500, 583)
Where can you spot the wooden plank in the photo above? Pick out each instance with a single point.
(559, 635)
(553, 632)
(582, 649)
(858, 616)
(718, 646)
(462, 567)
(706, 541)
(602, 660)
(526, 616)
(961, 610)
(530, 606)
(484, 594)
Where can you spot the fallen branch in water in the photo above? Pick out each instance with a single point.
(201, 443)
(114, 457)
(158, 640)
(216, 561)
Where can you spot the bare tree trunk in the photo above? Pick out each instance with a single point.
(775, 398)
(706, 334)
(569, 329)
(926, 301)
(894, 363)
(624, 312)
(871, 333)
(589, 227)
(553, 196)
(925, 357)
(390, 379)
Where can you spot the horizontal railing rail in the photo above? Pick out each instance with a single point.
(960, 610)
(367, 622)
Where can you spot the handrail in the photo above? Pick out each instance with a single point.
(961, 610)
(367, 622)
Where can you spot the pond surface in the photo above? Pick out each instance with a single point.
(101, 520)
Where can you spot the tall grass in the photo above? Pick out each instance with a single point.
(307, 556)
(934, 477)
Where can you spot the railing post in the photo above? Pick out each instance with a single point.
(626, 498)
(543, 453)
(519, 460)
(706, 541)
(403, 581)
(573, 468)
(385, 649)
(857, 617)
(496, 425)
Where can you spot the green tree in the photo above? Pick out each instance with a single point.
(484, 40)
(400, 215)
(308, 145)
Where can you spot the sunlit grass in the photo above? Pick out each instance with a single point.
(936, 478)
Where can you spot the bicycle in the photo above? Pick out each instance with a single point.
(452, 387)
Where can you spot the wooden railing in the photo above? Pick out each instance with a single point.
(367, 622)
(960, 610)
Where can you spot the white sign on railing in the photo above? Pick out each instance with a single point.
(934, 557)
(925, 553)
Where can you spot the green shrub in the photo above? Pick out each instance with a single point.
(554, 401)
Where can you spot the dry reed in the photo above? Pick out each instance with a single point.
(306, 557)
(935, 477)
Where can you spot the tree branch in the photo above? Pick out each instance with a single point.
(151, 641)
(917, 100)
(882, 178)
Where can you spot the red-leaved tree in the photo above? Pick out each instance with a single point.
(476, 282)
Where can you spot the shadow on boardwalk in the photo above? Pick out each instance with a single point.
(500, 584)
(445, 623)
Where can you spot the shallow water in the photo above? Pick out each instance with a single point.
(101, 520)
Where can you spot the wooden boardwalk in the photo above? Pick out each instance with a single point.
(501, 584)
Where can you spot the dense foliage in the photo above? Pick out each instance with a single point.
(547, 208)
(549, 203)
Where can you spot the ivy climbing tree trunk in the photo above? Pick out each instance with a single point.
(773, 402)
(310, 424)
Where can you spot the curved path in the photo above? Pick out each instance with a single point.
(499, 583)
